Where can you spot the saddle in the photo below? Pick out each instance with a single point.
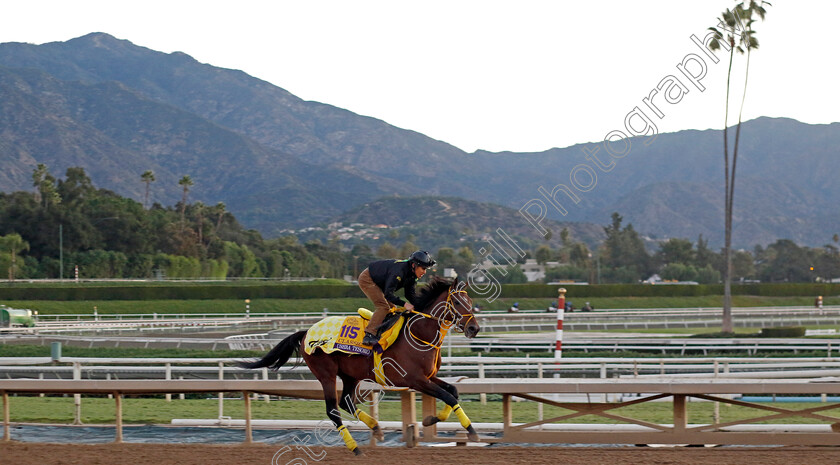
(345, 334)
(394, 316)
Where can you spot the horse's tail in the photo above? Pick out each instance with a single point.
(280, 354)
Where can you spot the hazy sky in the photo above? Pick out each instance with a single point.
(520, 76)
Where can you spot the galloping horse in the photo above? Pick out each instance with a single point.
(413, 359)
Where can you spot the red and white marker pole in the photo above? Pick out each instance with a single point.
(561, 307)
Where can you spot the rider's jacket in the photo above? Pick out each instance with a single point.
(391, 275)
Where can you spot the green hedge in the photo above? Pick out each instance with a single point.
(784, 331)
(193, 291)
(186, 292)
(668, 290)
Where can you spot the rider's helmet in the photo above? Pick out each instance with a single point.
(422, 258)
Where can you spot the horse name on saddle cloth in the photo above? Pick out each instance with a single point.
(345, 334)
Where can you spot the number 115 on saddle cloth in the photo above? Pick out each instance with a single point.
(345, 334)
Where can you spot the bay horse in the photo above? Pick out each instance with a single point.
(412, 362)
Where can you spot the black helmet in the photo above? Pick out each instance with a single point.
(422, 258)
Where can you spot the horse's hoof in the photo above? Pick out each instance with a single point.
(430, 420)
(357, 451)
(472, 435)
(378, 434)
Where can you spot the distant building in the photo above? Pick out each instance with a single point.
(656, 279)
(533, 271)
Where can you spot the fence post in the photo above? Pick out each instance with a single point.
(481, 396)
(409, 418)
(119, 425)
(374, 412)
(561, 308)
(507, 413)
(540, 404)
(249, 435)
(168, 377)
(77, 398)
(429, 408)
(266, 397)
(6, 433)
(603, 375)
(221, 394)
(680, 414)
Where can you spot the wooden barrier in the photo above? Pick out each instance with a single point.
(642, 432)
(290, 388)
(679, 390)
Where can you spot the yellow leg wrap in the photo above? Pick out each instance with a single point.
(366, 419)
(444, 414)
(462, 417)
(348, 440)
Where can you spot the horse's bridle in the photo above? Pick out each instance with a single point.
(445, 324)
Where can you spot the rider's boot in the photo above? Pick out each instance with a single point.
(370, 339)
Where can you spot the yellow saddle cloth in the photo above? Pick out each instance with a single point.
(345, 334)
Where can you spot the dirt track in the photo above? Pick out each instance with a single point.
(21, 453)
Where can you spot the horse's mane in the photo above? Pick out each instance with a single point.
(432, 291)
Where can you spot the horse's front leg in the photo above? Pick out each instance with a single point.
(435, 389)
(443, 415)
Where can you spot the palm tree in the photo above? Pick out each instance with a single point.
(45, 189)
(185, 182)
(148, 177)
(220, 207)
(199, 213)
(734, 33)
(15, 244)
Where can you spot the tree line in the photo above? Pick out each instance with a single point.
(65, 223)
(68, 222)
(624, 258)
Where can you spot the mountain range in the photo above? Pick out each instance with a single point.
(280, 162)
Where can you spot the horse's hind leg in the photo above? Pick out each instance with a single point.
(325, 369)
(348, 403)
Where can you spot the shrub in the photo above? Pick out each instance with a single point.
(783, 331)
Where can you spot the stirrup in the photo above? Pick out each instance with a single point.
(370, 339)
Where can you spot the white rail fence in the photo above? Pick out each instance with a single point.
(491, 322)
(474, 367)
(676, 346)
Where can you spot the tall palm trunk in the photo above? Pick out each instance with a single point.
(727, 287)
(727, 326)
(183, 208)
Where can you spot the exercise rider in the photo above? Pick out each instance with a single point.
(382, 278)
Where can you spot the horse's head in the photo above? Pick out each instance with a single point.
(448, 303)
(459, 305)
